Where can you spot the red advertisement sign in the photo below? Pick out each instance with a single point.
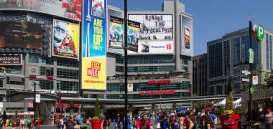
(157, 92)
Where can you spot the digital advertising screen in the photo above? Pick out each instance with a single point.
(65, 39)
(116, 34)
(25, 31)
(70, 9)
(93, 46)
(156, 33)
(187, 36)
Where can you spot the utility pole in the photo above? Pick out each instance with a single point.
(125, 66)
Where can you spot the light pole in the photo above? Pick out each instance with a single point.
(125, 67)
(250, 82)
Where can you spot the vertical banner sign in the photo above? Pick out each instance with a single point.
(187, 36)
(94, 45)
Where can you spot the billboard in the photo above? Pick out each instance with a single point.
(65, 39)
(10, 59)
(187, 36)
(98, 8)
(94, 73)
(25, 31)
(116, 33)
(70, 9)
(93, 46)
(155, 47)
(154, 28)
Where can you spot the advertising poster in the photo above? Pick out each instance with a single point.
(154, 28)
(116, 33)
(10, 59)
(133, 36)
(156, 47)
(187, 36)
(93, 48)
(98, 8)
(65, 39)
(25, 32)
(70, 9)
(94, 73)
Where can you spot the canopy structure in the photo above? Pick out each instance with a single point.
(236, 103)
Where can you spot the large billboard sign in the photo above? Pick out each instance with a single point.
(70, 9)
(116, 33)
(94, 74)
(25, 31)
(154, 28)
(10, 59)
(94, 45)
(187, 36)
(65, 39)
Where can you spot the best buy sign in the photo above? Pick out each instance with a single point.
(259, 31)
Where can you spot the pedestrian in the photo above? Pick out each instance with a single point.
(146, 123)
(269, 118)
(138, 122)
(181, 120)
(164, 123)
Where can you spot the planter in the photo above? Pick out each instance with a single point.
(96, 123)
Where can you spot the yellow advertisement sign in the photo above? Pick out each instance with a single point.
(94, 73)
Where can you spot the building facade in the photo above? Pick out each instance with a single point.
(39, 51)
(200, 75)
(160, 63)
(228, 57)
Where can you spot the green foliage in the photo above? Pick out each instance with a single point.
(229, 102)
(238, 111)
(220, 111)
(97, 108)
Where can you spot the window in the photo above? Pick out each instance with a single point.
(46, 85)
(68, 63)
(15, 80)
(67, 86)
(68, 73)
(33, 58)
(46, 71)
(14, 69)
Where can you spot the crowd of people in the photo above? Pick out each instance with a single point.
(185, 119)
(20, 122)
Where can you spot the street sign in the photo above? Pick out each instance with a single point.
(255, 80)
(245, 72)
(37, 98)
(250, 56)
(259, 31)
(245, 79)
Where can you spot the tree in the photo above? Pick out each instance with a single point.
(97, 108)
(269, 80)
(229, 103)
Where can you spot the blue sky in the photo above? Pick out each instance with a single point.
(214, 18)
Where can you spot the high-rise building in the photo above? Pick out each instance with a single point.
(228, 57)
(200, 75)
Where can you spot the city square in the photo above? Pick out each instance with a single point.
(126, 64)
